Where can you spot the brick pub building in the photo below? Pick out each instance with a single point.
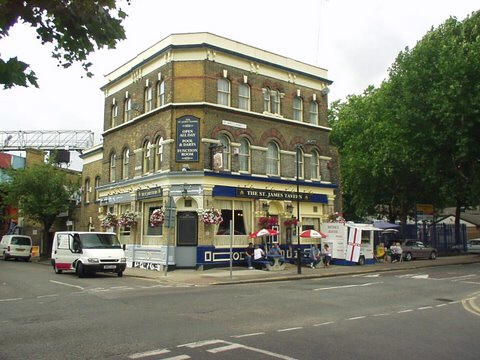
(205, 122)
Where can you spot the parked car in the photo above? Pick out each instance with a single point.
(16, 247)
(413, 249)
(473, 246)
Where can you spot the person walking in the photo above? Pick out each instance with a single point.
(327, 255)
(249, 255)
(315, 256)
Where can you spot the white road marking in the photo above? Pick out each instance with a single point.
(455, 302)
(367, 275)
(325, 323)
(404, 311)
(149, 353)
(439, 305)
(384, 314)
(278, 356)
(247, 335)
(348, 286)
(62, 283)
(456, 278)
(424, 307)
(423, 276)
(12, 299)
(44, 296)
(179, 357)
(405, 275)
(470, 282)
(290, 329)
(225, 348)
(202, 343)
(356, 318)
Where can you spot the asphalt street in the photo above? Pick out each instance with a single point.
(429, 313)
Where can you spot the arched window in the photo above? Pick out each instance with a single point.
(225, 141)
(160, 93)
(127, 112)
(158, 153)
(97, 184)
(275, 102)
(146, 156)
(125, 163)
(113, 115)
(315, 166)
(313, 113)
(297, 108)
(244, 155)
(148, 99)
(88, 189)
(244, 96)
(112, 168)
(299, 162)
(223, 92)
(273, 159)
(325, 169)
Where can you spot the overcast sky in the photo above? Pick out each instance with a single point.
(355, 40)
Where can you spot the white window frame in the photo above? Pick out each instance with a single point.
(275, 107)
(226, 151)
(146, 157)
(113, 115)
(158, 154)
(160, 93)
(127, 114)
(87, 191)
(315, 166)
(97, 184)
(148, 99)
(125, 163)
(300, 159)
(112, 168)
(244, 99)
(244, 155)
(313, 115)
(272, 160)
(222, 93)
(297, 108)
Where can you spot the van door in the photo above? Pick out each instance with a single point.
(62, 255)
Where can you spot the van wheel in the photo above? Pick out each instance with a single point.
(433, 255)
(408, 256)
(5, 256)
(120, 273)
(80, 270)
(361, 261)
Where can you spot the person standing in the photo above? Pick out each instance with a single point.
(327, 255)
(249, 255)
(315, 256)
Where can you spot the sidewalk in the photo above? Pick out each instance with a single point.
(241, 275)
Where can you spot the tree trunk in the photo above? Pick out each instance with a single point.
(457, 223)
(46, 238)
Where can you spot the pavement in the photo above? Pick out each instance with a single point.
(241, 275)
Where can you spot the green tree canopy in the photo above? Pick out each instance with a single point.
(40, 192)
(75, 28)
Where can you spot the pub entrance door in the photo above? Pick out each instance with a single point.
(187, 239)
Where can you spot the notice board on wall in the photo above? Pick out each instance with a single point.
(187, 142)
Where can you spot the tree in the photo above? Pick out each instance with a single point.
(41, 193)
(74, 28)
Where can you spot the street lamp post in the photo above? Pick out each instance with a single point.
(299, 251)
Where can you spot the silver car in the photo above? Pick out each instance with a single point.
(473, 246)
(413, 249)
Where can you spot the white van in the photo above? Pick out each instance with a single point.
(87, 253)
(16, 247)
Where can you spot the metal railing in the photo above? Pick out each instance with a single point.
(46, 139)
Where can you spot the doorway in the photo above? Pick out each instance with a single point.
(187, 239)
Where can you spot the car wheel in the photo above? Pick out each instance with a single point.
(408, 256)
(361, 261)
(80, 270)
(433, 255)
(5, 256)
(120, 273)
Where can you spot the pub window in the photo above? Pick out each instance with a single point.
(299, 162)
(314, 166)
(127, 113)
(158, 153)
(87, 191)
(241, 214)
(148, 228)
(124, 231)
(146, 157)
(125, 162)
(244, 97)
(148, 99)
(297, 108)
(97, 184)
(273, 159)
(223, 92)
(225, 141)
(313, 113)
(112, 168)
(244, 155)
(160, 93)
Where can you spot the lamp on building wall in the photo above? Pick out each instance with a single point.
(185, 190)
(289, 207)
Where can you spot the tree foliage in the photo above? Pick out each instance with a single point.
(75, 28)
(415, 138)
(40, 192)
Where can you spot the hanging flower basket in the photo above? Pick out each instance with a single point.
(128, 219)
(157, 218)
(211, 216)
(268, 221)
(110, 220)
(291, 222)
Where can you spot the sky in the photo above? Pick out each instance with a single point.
(356, 41)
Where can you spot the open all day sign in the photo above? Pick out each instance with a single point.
(187, 138)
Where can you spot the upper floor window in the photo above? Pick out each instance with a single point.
(160, 93)
(113, 115)
(225, 141)
(299, 171)
(112, 168)
(125, 163)
(244, 155)
(87, 191)
(297, 108)
(273, 159)
(148, 99)
(313, 113)
(223, 92)
(271, 101)
(146, 157)
(244, 97)
(97, 184)
(158, 153)
(315, 166)
(325, 170)
(127, 114)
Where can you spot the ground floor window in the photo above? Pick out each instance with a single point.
(309, 223)
(241, 214)
(148, 209)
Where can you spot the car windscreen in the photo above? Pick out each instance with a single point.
(99, 241)
(17, 240)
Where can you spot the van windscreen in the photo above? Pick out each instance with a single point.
(17, 240)
(99, 241)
